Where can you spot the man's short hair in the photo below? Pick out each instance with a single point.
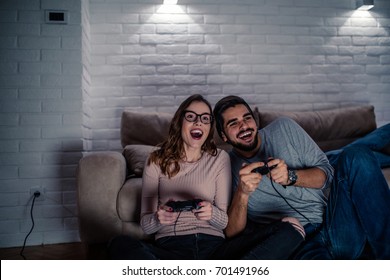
(224, 104)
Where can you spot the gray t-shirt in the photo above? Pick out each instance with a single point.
(285, 139)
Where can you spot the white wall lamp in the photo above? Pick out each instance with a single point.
(170, 2)
(364, 5)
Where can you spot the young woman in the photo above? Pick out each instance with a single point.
(187, 167)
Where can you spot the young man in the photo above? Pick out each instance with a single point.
(354, 220)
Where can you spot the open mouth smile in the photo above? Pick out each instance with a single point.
(245, 135)
(196, 134)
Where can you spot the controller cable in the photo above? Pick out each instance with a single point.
(288, 203)
(285, 199)
(174, 226)
(316, 228)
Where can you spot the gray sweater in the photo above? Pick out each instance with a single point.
(285, 139)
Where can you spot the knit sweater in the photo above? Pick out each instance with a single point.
(208, 179)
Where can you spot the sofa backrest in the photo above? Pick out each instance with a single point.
(149, 128)
(331, 129)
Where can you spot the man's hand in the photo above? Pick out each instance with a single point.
(308, 178)
(279, 174)
(249, 181)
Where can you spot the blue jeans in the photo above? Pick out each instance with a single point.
(276, 241)
(357, 216)
(184, 247)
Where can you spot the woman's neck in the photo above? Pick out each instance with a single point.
(192, 155)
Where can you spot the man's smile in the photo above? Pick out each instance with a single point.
(245, 135)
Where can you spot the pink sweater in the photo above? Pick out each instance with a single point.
(208, 179)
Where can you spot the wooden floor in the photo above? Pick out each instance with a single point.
(68, 251)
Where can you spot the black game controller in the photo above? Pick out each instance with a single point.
(264, 170)
(186, 205)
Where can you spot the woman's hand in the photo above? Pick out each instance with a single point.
(205, 212)
(165, 215)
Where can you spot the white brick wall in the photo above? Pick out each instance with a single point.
(63, 87)
(40, 127)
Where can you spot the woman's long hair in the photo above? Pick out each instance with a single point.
(172, 150)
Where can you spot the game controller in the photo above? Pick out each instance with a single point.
(264, 170)
(186, 205)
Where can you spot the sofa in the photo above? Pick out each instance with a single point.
(109, 182)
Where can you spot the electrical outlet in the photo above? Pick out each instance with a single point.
(41, 196)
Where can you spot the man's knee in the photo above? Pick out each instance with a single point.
(296, 224)
(357, 154)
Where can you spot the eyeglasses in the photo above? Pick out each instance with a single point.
(191, 116)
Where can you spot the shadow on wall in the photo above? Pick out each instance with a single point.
(61, 192)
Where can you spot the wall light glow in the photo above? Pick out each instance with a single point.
(170, 2)
(170, 7)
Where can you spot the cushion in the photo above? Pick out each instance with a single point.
(144, 128)
(331, 129)
(136, 156)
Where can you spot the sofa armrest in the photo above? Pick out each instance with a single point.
(100, 176)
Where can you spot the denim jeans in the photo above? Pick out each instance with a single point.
(184, 247)
(358, 211)
(275, 241)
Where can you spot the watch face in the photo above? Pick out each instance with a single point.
(292, 176)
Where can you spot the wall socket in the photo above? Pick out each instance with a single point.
(40, 190)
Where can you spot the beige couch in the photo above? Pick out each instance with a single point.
(109, 183)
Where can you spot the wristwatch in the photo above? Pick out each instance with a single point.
(292, 177)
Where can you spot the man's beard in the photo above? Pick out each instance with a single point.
(245, 147)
